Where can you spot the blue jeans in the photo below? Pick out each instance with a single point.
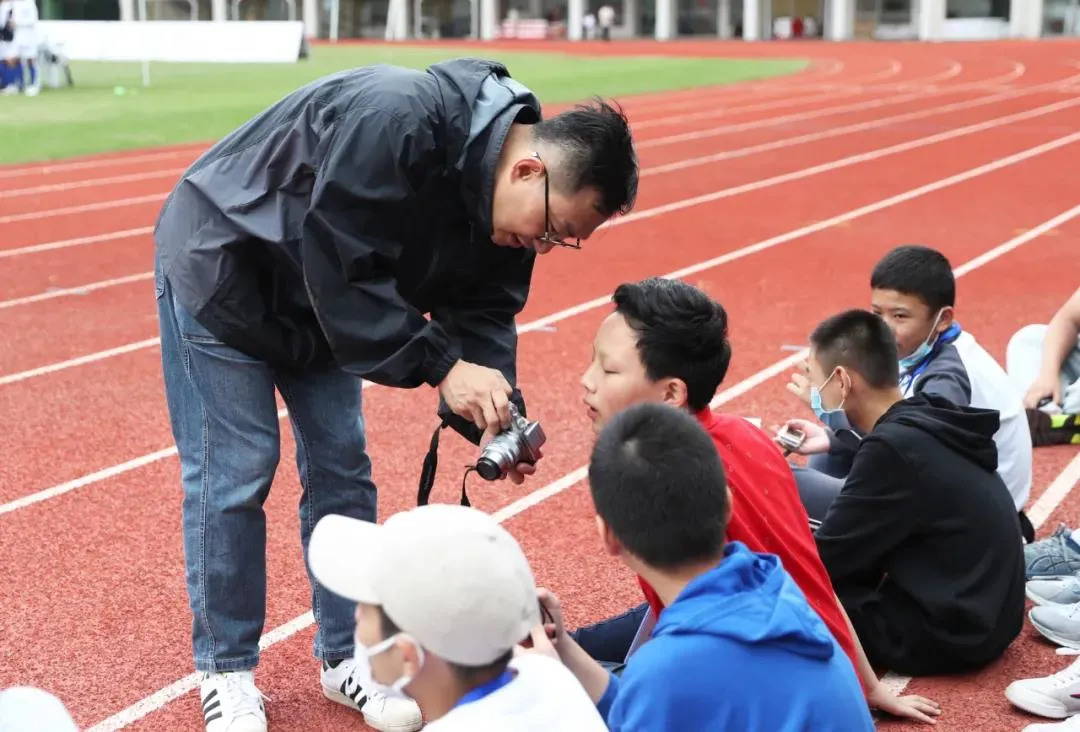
(224, 420)
(608, 641)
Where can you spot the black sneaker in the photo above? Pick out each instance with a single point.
(1053, 429)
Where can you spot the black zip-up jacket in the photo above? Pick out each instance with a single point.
(924, 538)
(322, 231)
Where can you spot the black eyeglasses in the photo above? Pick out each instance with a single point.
(549, 237)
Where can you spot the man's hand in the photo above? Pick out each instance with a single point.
(518, 472)
(1044, 386)
(816, 440)
(479, 394)
(909, 707)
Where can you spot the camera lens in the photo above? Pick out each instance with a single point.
(488, 469)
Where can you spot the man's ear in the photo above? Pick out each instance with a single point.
(611, 545)
(526, 168)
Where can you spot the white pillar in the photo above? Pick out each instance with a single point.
(1026, 18)
(397, 21)
(127, 10)
(931, 19)
(840, 21)
(630, 15)
(489, 20)
(219, 11)
(723, 19)
(666, 20)
(575, 18)
(335, 19)
(751, 20)
(311, 18)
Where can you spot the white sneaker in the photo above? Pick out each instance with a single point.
(232, 703)
(1059, 591)
(1058, 623)
(380, 712)
(1072, 724)
(1053, 696)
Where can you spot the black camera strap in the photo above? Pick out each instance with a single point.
(427, 472)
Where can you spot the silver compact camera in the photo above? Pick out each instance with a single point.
(790, 439)
(519, 443)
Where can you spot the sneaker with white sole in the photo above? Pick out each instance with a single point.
(1058, 623)
(1072, 724)
(1056, 696)
(232, 703)
(380, 712)
(1053, 591)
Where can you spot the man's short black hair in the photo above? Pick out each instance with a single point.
(597, 152)
(860, 341)
(658, 483)
(681, 333)
(916, 270)
(469, 676)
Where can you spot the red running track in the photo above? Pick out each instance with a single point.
(777, 196)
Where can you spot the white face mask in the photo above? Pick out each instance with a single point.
(363, 655)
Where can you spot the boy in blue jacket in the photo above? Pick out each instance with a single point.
(736, 646)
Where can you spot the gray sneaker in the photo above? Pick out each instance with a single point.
(1053, 591)
(1058, 623)
(1056, 556)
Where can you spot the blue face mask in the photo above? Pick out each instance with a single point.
(907, 363)
(815, 400)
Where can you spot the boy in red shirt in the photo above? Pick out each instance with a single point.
(666, 341)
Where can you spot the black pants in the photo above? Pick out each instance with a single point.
(817, 489)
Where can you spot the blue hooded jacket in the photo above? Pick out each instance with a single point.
(739, 649)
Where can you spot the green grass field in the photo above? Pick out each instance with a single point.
(108, 109)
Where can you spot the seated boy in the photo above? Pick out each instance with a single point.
(667, 341)
(737, 646)
(914, 290)
(923, 541)
(1044, 364)
(444, 596)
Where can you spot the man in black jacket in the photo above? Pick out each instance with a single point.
(302, 253)
(923, 542)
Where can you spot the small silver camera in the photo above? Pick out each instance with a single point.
(519, 443)
(790, 439)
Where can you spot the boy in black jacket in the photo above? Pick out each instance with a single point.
(923, 542)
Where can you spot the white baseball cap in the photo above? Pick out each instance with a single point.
(449, 576)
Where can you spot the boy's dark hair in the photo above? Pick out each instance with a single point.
(919, 271)
(658, 483)
(860, 341)
(597, 152)
(681, 333)
(468, 675)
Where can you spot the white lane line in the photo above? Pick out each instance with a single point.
(119, 203)
(724, 193)
(677, 165)
(711, 112)
(78, 290)
(76, 242)
(660, 169)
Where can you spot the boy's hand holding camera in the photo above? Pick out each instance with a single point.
(803, 437)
